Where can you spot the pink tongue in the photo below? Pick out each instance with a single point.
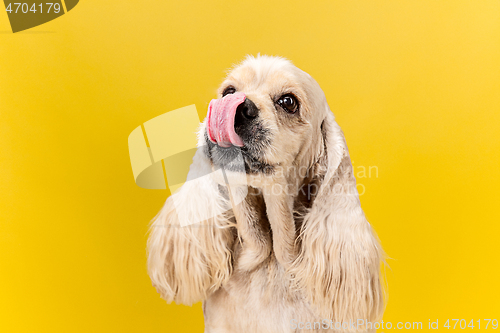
(220, 125)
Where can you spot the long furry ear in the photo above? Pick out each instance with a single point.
(339, 259)
(189, 261)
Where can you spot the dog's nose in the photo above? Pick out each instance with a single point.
(245, 112)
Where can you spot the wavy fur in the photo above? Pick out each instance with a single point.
(281, 256)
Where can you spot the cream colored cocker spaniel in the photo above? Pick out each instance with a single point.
(268, 230)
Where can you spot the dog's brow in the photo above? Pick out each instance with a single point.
(286, 90)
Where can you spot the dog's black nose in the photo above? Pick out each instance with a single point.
(245, 112)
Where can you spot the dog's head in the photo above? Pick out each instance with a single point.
(269, 111)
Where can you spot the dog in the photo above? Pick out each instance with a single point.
(276, 239)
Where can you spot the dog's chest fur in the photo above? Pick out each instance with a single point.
(259, 301)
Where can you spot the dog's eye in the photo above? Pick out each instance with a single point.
(229, 90)
(288, 103)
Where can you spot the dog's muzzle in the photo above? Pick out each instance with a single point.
(227, 116)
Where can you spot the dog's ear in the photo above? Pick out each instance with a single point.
(189, 254)
(339, 258)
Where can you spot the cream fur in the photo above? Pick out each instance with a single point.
(262, 257)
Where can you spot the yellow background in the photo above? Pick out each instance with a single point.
(414, 84)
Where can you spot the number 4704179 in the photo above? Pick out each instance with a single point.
(19, 7)
(462, 323)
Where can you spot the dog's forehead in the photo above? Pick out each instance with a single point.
(256, 75)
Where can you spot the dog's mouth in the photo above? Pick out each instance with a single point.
(247, 158)
(236, 138)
